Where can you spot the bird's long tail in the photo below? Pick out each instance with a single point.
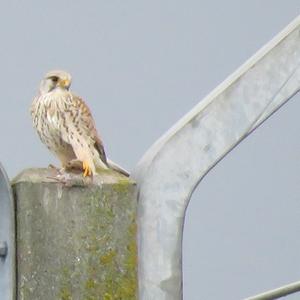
(112, 165)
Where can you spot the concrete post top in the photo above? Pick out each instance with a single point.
(50, 175)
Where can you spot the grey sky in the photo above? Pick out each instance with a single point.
(141, 65)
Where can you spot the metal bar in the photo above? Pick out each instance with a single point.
(172, 168)
(278, 293)
(7, 240)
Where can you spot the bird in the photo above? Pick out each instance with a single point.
(66, 126)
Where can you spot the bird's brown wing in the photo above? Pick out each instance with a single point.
(80, 127)
(99, 147)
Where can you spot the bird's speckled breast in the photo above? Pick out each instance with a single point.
(46, 113)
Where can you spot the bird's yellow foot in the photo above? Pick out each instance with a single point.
(87, 170)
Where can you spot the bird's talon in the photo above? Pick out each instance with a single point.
(87, 171)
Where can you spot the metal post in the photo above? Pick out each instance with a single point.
(7, 240)
(170, 171)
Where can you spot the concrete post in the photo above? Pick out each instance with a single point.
(75, 241)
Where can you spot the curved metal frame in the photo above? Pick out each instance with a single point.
(7, 240)
(170, 171)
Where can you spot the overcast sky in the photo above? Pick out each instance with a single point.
(140, 66)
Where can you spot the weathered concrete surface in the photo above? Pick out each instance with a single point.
(75, 242)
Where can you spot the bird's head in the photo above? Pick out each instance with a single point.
(55, 79)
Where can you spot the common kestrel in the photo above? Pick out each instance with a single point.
(65, 125)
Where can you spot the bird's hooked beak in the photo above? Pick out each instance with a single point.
(64, 83)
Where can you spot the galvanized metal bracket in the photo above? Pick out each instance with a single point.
(171, 169)
(7, 240)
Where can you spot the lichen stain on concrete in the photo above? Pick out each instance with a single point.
(118, 267)
(107, 257)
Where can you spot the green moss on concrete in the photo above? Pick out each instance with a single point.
(65, 284)
(65, 294)
(121, 186)
(108, 257)
(107, 297)
(120, 280)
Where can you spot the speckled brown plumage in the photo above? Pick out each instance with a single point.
(65, 124)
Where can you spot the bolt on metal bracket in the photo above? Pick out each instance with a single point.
(7, 240)
(3, 249)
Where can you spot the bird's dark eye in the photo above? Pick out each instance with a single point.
(54, 78)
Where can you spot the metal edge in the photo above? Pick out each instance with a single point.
(9, 237)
